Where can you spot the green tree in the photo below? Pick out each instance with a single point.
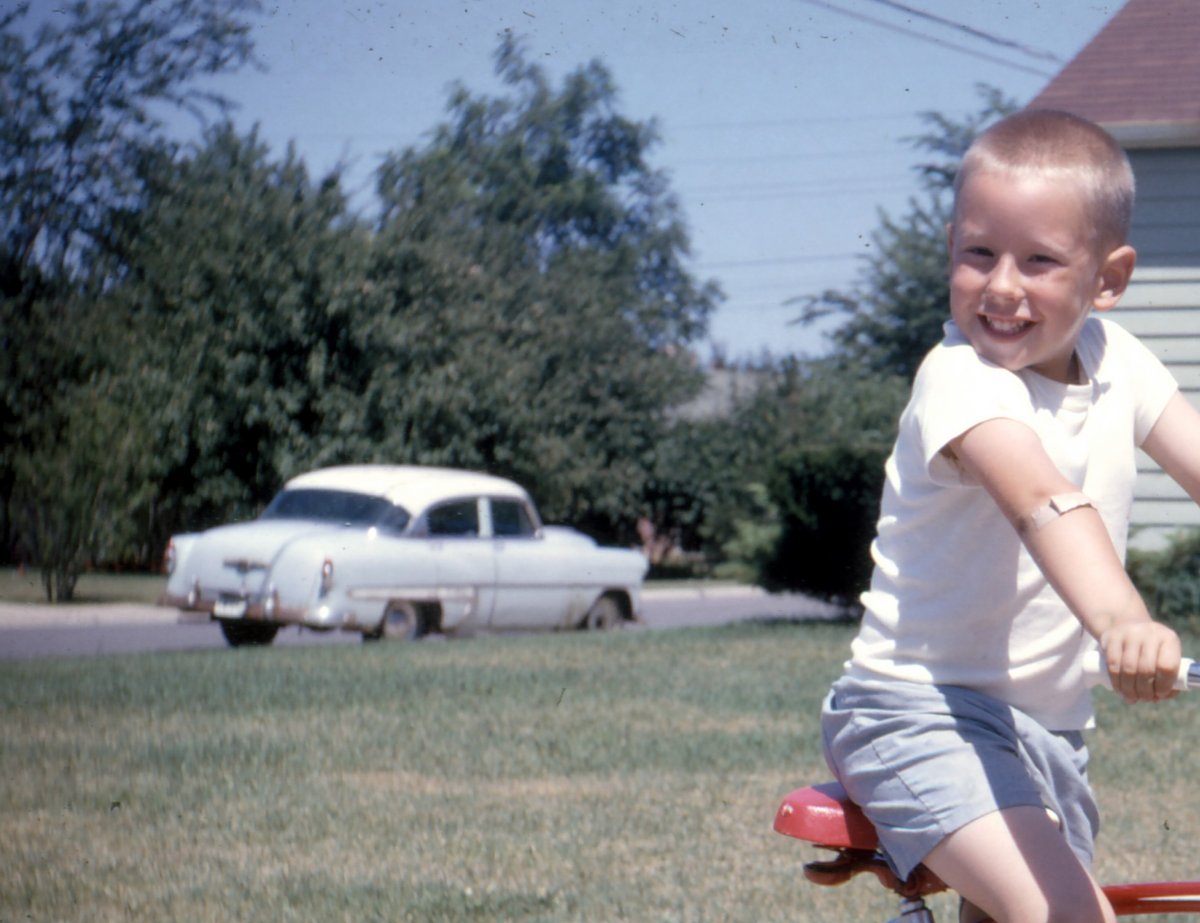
(721, 484)
(82, 101)
(77, 496)
(786, 488)
(241, 275)
(532, 311)
(83, 94)
(894, 313)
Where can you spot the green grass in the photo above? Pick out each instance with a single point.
(25, 586)
(569, 777)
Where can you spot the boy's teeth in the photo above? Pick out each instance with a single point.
(1005, 326)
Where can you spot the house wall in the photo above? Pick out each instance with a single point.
(1162, 307)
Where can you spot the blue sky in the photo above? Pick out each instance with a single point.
(782, 122)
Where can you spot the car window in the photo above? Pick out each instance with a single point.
(396, 519)
(338, 506)
(458, 518)
(511, 518)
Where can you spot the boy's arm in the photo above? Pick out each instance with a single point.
(1075, 553)
(1174, 443)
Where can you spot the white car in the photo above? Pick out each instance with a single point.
(400, 551)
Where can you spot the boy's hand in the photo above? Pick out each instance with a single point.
(1143, 660)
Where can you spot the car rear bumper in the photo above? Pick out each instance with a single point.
(229, 607)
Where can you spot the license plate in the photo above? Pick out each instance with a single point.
(229, 608)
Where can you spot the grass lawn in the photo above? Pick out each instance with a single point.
(568, 777)
(93, 587)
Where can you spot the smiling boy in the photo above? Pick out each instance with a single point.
(1002, 534)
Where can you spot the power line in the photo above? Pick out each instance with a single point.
(972, 30)
(925, 37)
(781, 192)
(779, 261)
(779, 183)
(805, 123)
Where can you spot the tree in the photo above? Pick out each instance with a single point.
(826, 426)
(81, 104)
(241, 275)
(895, 312)
(81, 109)
(77, 495)
(725, 486)
(532, 309)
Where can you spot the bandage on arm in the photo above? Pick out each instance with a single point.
(1058, 505)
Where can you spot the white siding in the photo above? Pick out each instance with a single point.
(1162, 307)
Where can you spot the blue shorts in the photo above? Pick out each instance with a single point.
(924, 760)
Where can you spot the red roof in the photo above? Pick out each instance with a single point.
(1139, 77)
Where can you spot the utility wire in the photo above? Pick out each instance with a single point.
(926, 37)
(779, 261)
(971, 30)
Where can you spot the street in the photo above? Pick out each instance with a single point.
(33, 631)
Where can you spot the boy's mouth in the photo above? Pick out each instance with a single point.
(1002, 326)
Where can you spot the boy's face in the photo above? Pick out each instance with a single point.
(1025, 272)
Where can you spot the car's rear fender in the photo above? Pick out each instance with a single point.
(367, 573)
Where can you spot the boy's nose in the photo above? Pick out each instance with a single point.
(1005, 281)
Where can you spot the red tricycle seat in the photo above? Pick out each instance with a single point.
(825, 816)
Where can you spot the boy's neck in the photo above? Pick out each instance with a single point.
(1075, 371)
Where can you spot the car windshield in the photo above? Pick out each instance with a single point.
(340, 506)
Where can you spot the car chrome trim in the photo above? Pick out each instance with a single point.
(244, 565)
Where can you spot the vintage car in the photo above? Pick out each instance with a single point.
(400, 551)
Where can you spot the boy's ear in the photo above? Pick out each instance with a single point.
(1114, 276)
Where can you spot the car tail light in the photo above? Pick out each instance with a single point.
(326, 577)
(169, 558)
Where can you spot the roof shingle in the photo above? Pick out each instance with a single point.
(1140, 75)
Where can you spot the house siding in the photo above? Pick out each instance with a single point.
(1162, 308)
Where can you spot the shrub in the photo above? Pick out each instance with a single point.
(828, 504)
(1169, 579)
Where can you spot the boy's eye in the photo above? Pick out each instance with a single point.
(979, 251)
(1043, 258)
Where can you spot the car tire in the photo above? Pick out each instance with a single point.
(401, 622)
(242, 633)
(604, 615)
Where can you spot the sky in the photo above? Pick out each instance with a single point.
(783, 124)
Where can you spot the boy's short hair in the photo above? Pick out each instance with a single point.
(1046, 141)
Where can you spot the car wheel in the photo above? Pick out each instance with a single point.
(401, 622)
(604, 615)
(240, 633)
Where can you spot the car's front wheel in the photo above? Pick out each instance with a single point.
(242, 633)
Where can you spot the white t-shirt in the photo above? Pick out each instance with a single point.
(955, 597)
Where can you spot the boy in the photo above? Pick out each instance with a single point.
(998, 559)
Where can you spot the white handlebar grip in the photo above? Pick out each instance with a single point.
(1095, 672)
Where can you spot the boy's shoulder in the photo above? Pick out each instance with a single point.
(954, 355)
(953, 373)
(1104, 339)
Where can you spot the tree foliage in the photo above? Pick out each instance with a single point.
(894, 313)
(77, 121)
(81, 102)
(729, 485)
(531, 307)
(239, 275)
(801, 512)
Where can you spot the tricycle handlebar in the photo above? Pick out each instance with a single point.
(1095, 671)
